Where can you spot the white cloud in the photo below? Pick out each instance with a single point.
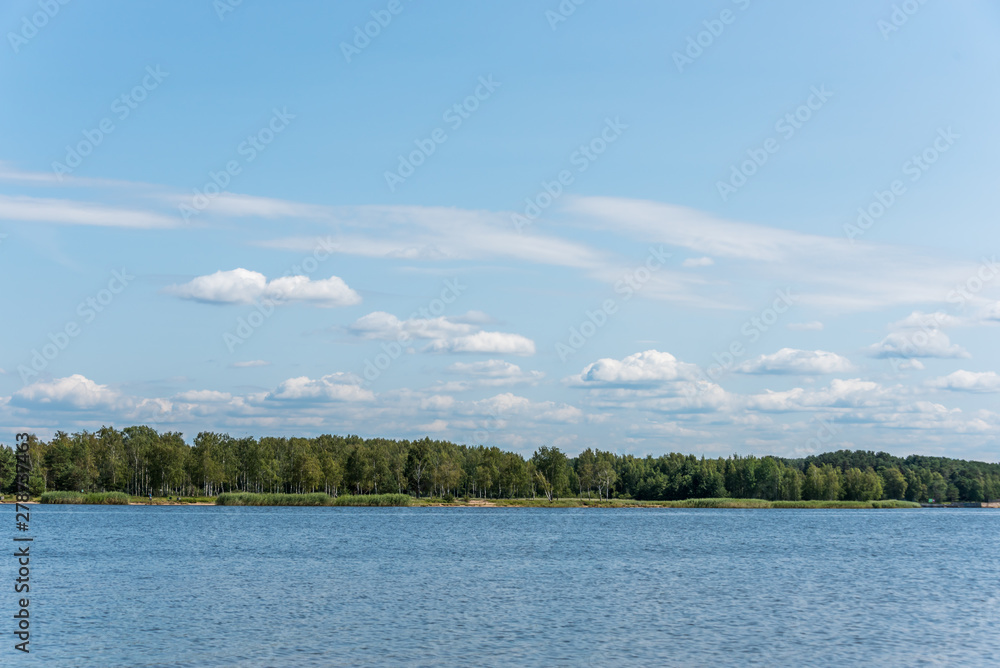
(650, 367)
(242, 286)
(493, 372)
(69, 212)
(920, 343)
(493, 343)
(435, 427)
(441, 233)
(811, 326)
(500, 404)
(385, 326)
(487, 369)
(74, 392)
(437, 402)
(991, 312)
(830, 272)
(241, 206)
(698, 262)
(841, 393)
(562, 413)
(204, 396)
(792, 361)
(333, 387)
(968, 381)
(456, 334)
(935, 320)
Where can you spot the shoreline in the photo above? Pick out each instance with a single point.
(364, 501)
(402, 500)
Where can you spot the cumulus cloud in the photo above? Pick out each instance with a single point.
(498, 343)
(74, 392)
(456, 334)
(841, 393)
(792, 361)
(935, 320)
(968, 381)
(242, 286)
(204, 396)
(437, 402)
(650, 367)
(991, 312)
(333, 387)
(494, 372)
(561, 413)
(919, 343)
(385, 326)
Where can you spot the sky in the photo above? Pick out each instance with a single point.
(645, 227)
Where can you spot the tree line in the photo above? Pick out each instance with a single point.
(140, 461)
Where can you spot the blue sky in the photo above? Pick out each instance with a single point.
(645, 227)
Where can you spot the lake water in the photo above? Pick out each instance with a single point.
(206, 586)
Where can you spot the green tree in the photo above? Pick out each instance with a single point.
(551, 470)
(604, 473)
(586, 470)
(895, 484)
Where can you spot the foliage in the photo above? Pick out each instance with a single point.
(95, 498)
(373, 500)
(249, 499)
(314, 499)
(140, 461)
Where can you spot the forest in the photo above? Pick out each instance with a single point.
(140, 461)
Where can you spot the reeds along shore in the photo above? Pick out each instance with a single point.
(318, 499)
(397, 500)
(93, 498)
(247, 499)
(701, 503)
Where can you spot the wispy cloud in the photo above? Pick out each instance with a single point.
(72, 212)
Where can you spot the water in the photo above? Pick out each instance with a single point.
(206, 586)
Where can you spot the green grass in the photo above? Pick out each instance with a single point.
(373, 500)
(695, 503)
(248, 499)
(893, 503)
(844, 504)
(722, 503)
(94, 498)
(385, 500)
(317, 499)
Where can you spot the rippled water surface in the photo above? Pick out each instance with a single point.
(207, 586)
